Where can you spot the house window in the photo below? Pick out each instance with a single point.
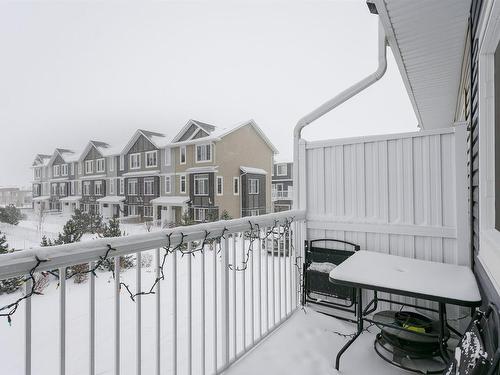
(220, 185)
(254, 212)
(151, 159)
(200, 214)
(148, 211)
(98, 187)
(253, 186)
(56, 170)
(89, 166)
(86, 188)
(135, 161)
(148, 187)
(122, 162)
(37, 172)
(79, 167)
(100, 165)
(236, 185)
(122, 186)
(62, 189)
(79, 187)
(64, 169)
(281, 170)
(54, 189)
(111, 163)
(203, 153)
(111, 186)
(182, 154)
(132, 210)
(201, 184)
(72, 187)
(72, 168)
(168, 184)
(168, 155)
(182, 184)
(132, 187)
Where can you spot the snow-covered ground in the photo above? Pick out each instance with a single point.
(45, 310)
(307, 344)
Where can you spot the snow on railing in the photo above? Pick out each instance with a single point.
(239, 278)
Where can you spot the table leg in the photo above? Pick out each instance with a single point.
(359, 317)
(442, 327)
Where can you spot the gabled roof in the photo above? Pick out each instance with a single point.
(158, 140)
(41, 160)
(102, 147)
(63, 153)
(201, 125)
(221, 133)
(427, 39)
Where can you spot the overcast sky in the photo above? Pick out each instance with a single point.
(70, 72)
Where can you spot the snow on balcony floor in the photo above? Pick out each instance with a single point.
(307, 344)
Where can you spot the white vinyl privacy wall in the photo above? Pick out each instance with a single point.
(403, 194)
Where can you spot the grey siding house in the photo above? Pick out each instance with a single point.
(282, 189)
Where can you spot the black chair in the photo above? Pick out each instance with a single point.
(478, 352)
(317, 288)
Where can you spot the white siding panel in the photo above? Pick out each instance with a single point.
(394, 194)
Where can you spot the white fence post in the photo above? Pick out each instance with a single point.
(225, 302)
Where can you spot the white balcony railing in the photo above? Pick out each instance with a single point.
(223, 294)
(284, 194)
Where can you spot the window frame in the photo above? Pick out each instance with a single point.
(147, 182)
(250, 187)
(198, 210)
(111, 163)
(278, 169)
(236, 186)
(87, 164)
(98, 184)
(135, 183)
(221, 191)
(64, 169)
(100, 161)
(86, 188)
(168, 184)
(205, 148)
(148, 153)
(182, 153)
(138, 155)
(122, 186)
(167, 157)
(149, 208)
(182, 181)
(196, 185)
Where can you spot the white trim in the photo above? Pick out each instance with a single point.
(217, 185)
(489, 237)
(149, 181)
(146, 159)
(87, 164)
(169, 190)
(111, 163)
(278, 165)
(180, 154)
(97, 169)
(122, 186)
(196, 152)
(130, 160)
(237, 179)
(257, 187)
(180, 184)
(168, 156)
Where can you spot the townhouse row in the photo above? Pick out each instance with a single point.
(202, 172)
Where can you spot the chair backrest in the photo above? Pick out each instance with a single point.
(478, 352)
(314, 253)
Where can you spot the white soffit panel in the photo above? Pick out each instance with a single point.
(427, 39)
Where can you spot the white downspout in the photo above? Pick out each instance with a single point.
(330, 105)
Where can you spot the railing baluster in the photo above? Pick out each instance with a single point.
(234, 298)
(174, 312)
(225, 302)
(252, 311)
(189, 313)
(138, 313)
(290, 283)
(279, 272)
(243, 293)
(259, 293)
(117, 315)
(266, 261)
(91, 320)
(62, 320)
(214, 282)
(273, 280)
(285, 289)
(157, 314)
(202, 276)
(27, 329)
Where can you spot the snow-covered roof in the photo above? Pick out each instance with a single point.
(172, 200)
(142, 173)
(41, 198)
(159, 140)
(70, 158)
(111, 199)
(206, 169)
(71, 198)
(252, 170)
(207, 128)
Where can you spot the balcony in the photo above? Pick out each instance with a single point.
(277, 195)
